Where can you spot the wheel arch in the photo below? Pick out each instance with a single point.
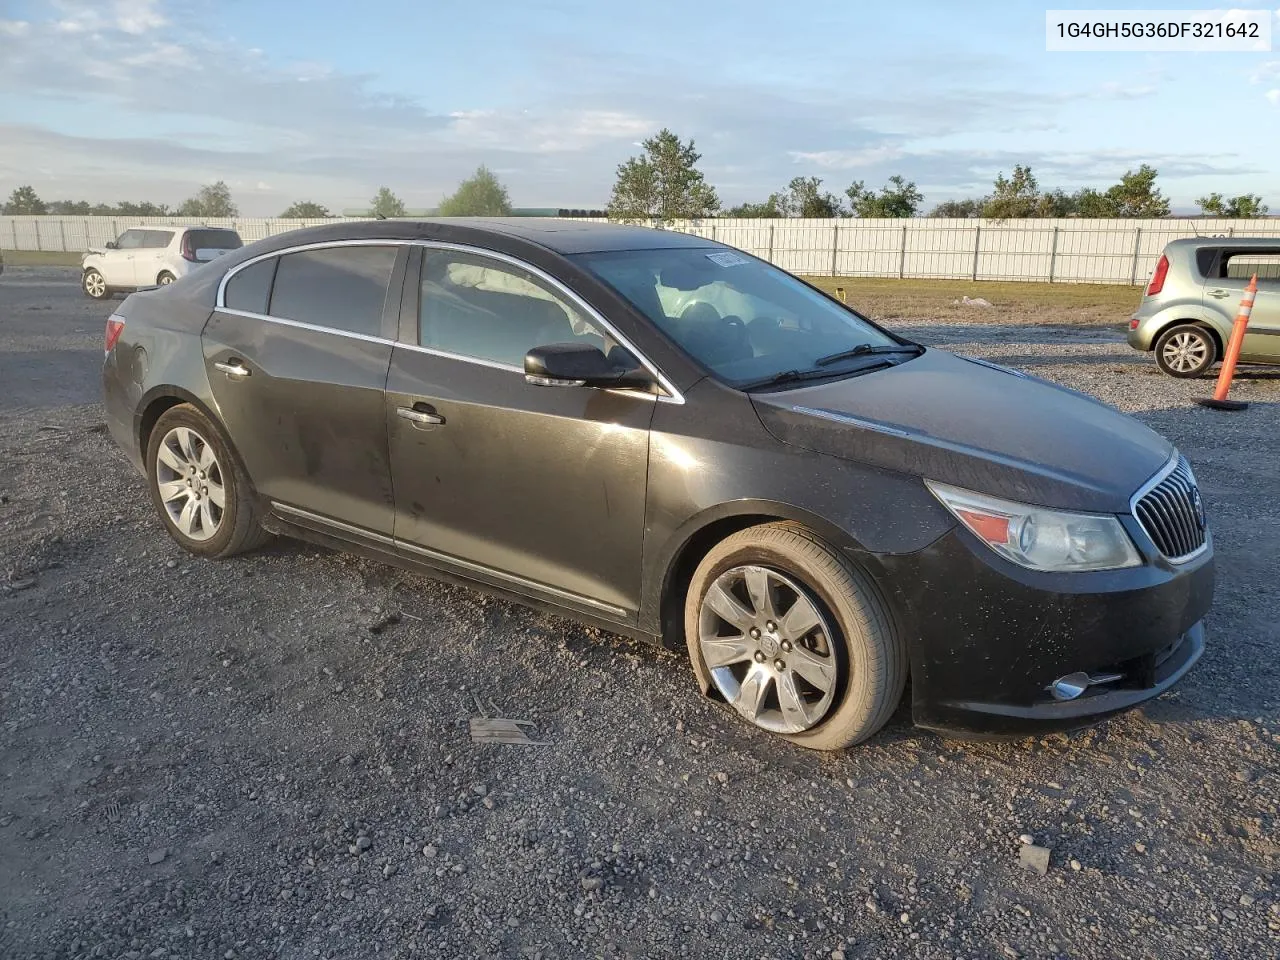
(1213, 332)
(694, 539)
(164, 397)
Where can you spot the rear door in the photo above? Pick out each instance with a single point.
(297, 356)
(118, 265)
(149, 259)
(1226, 289)
(539, 489)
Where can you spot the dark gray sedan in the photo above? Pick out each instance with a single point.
(671, 439)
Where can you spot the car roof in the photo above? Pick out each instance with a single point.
(1197, 242)
(560, 236)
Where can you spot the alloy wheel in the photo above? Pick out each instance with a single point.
(166, 279)
(1185, 352)
(769, 649)
(94, 284)
(189, 479)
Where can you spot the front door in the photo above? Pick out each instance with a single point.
(118, 265)
(1234, 268)
(539, 489)
(297, 359)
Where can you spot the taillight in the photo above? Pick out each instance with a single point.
(188, 248)
(1157, 278)
(115, 327)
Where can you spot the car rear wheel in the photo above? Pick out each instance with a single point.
(165, 278)
(198, 487)
(94, 285)
(796, 639)
(1186, 350)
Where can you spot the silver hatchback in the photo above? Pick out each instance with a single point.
(1192, 299)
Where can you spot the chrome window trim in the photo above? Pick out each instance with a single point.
(1146, 488)
(672, 394)
(470, 565)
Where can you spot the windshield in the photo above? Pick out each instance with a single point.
(214, 239)
(741, 318)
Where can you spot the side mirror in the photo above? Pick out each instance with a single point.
(112, 245)
(581, 365)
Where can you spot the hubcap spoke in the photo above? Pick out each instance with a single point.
(799, 620)
(187, 519)
(205, 459)
(173, 489)
(818, 670)
(172, 458)
(217, 495)
(207, 522)
(727, 607)
(754, 690)
(794, 710)
(723, 651)
(757, 579)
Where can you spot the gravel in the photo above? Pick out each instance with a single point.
(316, 794)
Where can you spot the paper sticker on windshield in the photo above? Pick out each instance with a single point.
(727, 259)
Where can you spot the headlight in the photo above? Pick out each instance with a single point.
(1041, 539)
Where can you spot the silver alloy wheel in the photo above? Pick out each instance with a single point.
(769, 649)
(166, 279)
(190, 483)
(94, 284)
(1185, 351)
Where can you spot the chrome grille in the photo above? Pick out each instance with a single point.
(1172, 513)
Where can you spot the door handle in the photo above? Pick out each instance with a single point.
(234, 370)
(1219, 294)
(415, 416)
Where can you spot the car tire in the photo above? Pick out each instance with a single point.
(842, 677)
(184, 438)
(165, 278)
(1186, 350)
(94, 285)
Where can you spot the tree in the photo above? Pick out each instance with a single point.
(806, 199)
(305, 210)
(24, 202)
(213, 200)
(1136, 195)
(146, 208)
(959, 209)
(898, 198)
(1088, 202)
(663, 183)
(1245, 206)
(1018, 196)
(386, 204)
(480, 195)
(69, 208)
(776, 206)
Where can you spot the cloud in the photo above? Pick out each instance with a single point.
(847, 159)
(1273, 97)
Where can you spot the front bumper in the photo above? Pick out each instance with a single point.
(987, 638)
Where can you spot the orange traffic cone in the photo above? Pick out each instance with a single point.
(1219, 400)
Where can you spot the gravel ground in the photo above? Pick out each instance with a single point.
(247, 759)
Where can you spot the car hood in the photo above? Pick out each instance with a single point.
(975, 425)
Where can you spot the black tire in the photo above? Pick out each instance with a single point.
(868, 649)
(238, 526)
(165, 278)
(94, 286)
(1186, 350)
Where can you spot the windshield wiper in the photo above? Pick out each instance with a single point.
(797, 376)
(866, 348)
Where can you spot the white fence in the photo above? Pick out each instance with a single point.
(1057, 251)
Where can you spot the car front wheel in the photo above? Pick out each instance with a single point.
(165, 278)
(797, 640)
(1186, 350)
(198, 487)
(95, 285)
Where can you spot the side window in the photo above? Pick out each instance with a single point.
(489, 310)
(343, 288)
(157, 238)
(131, 239)
(250, 288)
(1242, 264)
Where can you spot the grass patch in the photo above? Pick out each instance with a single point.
(40, 258)
(1037, 303)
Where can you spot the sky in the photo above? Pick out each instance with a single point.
(327, 100)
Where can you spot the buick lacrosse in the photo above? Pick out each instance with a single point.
(671, 439)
